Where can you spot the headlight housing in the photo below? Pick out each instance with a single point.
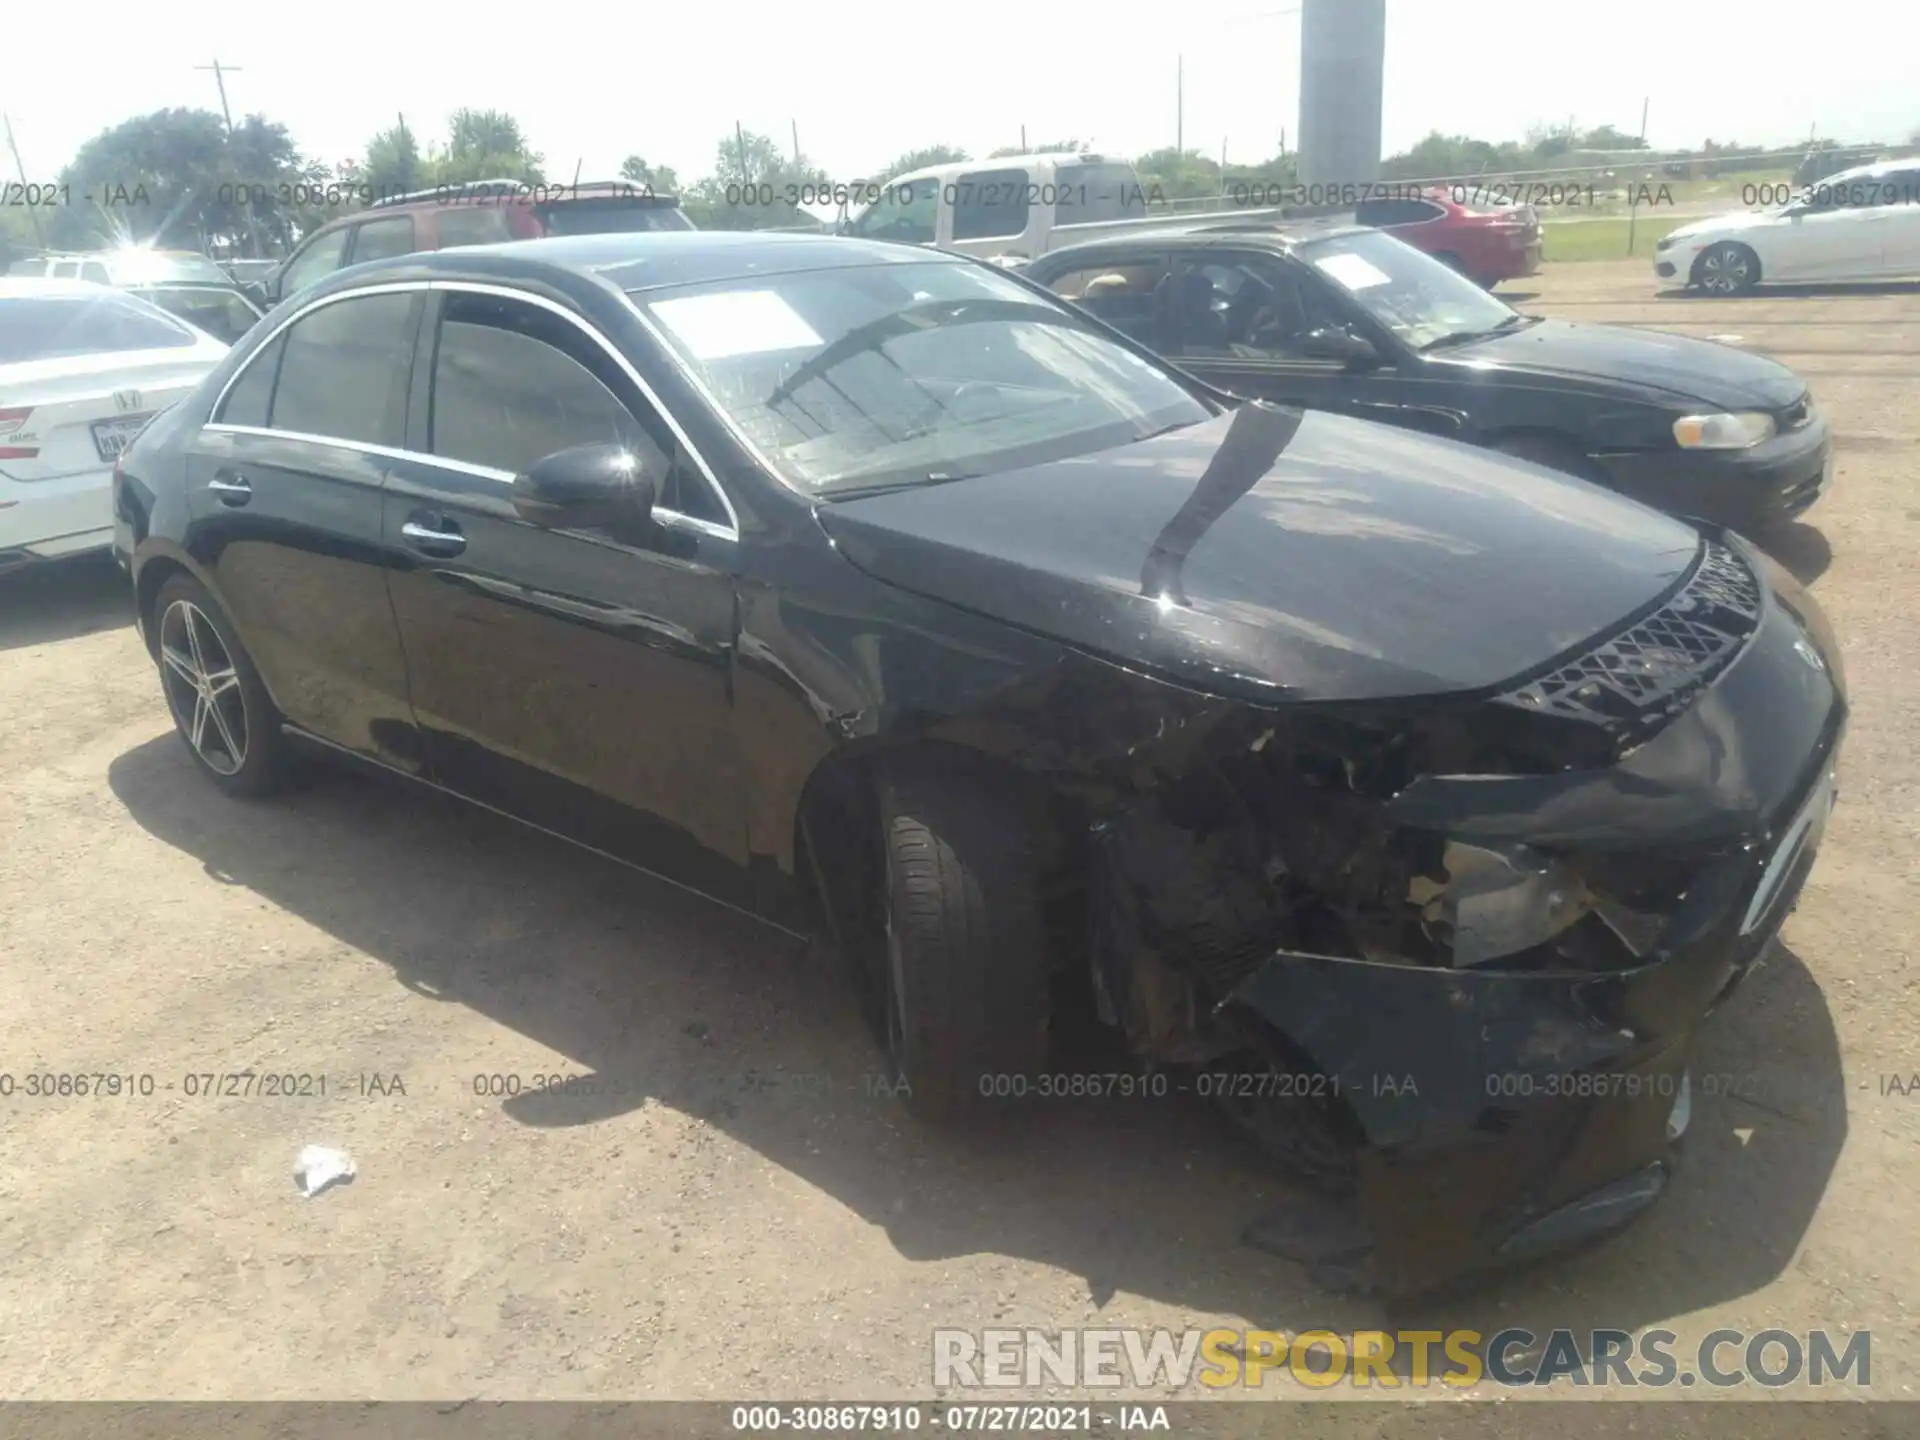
(1723, 432)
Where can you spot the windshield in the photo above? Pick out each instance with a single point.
(877, 376)
(157, 267)
(51, 327)
(1412, 294)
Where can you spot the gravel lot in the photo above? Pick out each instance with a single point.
(739, 1184)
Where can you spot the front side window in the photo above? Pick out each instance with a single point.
(319, 259)
(863, 378)
(990, 205)
(51, 327)
(1423, 302)
(903, 212)
(96, 272)
(1247, 307)
(514, 383)
(383, 239)
(1396, 212)
(1126, 292)
(345, 370)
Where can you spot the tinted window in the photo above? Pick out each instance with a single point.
(345, 371)
(1396, 212)
(903, 212)
(1124, 292)
(990, 204)
(471, 225)
(45, 327)
(610, 216)
(1248, 307)
(513, 383)
(383, 239)
(1090, 193)
(250, 400)
(320, 258)
(93, 270)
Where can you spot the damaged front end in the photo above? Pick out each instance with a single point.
(1447, 956)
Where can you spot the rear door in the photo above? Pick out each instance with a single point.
(284, 494)
(577, 678)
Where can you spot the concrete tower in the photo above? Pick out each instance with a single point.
(1343, 47)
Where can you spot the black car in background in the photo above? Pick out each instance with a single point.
(873, 591)
(1353, 320)
(181, 282)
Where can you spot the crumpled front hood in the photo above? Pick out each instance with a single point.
(1722, 376)
(1282, 555)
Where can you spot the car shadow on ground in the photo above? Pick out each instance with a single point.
(63, 600)
(668, 999)
(1800, 547)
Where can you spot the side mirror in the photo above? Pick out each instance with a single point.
(614, 486)
(1335, 343)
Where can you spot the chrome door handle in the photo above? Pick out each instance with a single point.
(231, 492)
(434, 542)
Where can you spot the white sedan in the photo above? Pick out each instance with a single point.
(82, 369)
(1860, 224)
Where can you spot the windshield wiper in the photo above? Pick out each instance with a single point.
(887, 487)
(1461, 337)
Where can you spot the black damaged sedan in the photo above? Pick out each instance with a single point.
(1423, 800)
(1359, 322)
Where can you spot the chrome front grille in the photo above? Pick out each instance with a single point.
(1652, 670)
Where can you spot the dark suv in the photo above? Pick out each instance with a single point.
(477, 212)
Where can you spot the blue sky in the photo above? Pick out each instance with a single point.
(866, 80)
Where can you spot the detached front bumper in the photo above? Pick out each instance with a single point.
(1509, 1114)
(1745, 489)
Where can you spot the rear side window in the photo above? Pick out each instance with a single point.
(250, 400)
(49, 327)
(1395, 212)
(990, 204)
(611, 216)
(472, 225)
(383, 239)
(344, 374)
(513, 383)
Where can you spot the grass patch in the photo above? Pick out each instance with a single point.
(1604, 239)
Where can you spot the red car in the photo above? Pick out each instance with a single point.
(1485, 242)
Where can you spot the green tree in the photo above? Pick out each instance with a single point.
(394, 165)
(1178, 174)
(660, 178)
(752, 183)
(177, 178)
(485, 145)
(1009, 150)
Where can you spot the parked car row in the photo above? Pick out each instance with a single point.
(883, 594)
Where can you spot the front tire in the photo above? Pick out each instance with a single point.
(1727, 269)
(219, 705)
(967, 975)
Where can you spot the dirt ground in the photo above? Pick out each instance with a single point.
(740, 1216)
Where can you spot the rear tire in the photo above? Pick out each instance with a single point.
(967, 973)
(219, 705)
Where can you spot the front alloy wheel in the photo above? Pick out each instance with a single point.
(203, 688)
(1728, 270)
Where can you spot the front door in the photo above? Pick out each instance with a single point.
(580, 679)
(284, 494)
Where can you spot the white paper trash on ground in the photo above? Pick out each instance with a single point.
(318, 1167)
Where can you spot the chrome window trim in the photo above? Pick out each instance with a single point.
(729, 531)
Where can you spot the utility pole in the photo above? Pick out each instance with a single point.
(220, 79)
(33, 211)
(796, 143)
(1633, 206)
(1180, 104)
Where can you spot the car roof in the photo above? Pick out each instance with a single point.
(1280, 235)
(652, 260)
(952, 168)
(15, 287)
(1871, 172)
